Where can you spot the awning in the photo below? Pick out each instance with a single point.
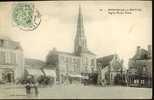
(49, 72)
(34, 72)
(78, 76)
(71, 75)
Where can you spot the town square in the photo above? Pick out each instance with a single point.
(74, 92)
(75, 50)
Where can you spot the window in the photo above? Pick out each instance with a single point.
(92, 62)
(83, 61)
(62, 58)
(142, 81)
(1, 42)
(87, 61)
(13, 58)
(135, 81)
(74, 60)
(86, 68)
(8, 57)
(70, 60)
(2, 57)
(92, 69)
(75, 69)
(66, 59)
(144, 68)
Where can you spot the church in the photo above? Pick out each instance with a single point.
(75, 64)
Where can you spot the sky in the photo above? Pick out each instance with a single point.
(106, 34)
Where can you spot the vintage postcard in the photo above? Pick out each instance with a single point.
(76, 50)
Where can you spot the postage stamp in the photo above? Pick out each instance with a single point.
(26, 16)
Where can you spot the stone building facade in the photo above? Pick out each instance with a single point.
(73, 64)
(11, 60)
(110, 70)
(140, 68)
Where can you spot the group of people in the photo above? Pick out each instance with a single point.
(31, 88)
(31, 84)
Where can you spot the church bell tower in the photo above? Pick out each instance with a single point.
(80, 42)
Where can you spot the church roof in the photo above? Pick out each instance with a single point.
(89, 52)
(67, 53)
(105, 61)
(54, 51)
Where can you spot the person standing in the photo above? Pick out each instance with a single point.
(28, 89)
(36, 89)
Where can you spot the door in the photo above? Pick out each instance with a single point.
(9, 77)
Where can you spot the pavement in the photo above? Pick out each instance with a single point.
(76, 91)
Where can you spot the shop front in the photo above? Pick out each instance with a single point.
(7, 75)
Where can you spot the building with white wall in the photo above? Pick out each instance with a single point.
(81, 61)
(11, 60)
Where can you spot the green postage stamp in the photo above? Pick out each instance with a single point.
(26, 16)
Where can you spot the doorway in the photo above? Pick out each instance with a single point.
(8, 76)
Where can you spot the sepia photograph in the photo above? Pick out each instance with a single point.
(76, 49)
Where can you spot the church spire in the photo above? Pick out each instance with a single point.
(80, 39)
(80, 27)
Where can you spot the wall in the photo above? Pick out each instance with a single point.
(11, 58)
(88, 62)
